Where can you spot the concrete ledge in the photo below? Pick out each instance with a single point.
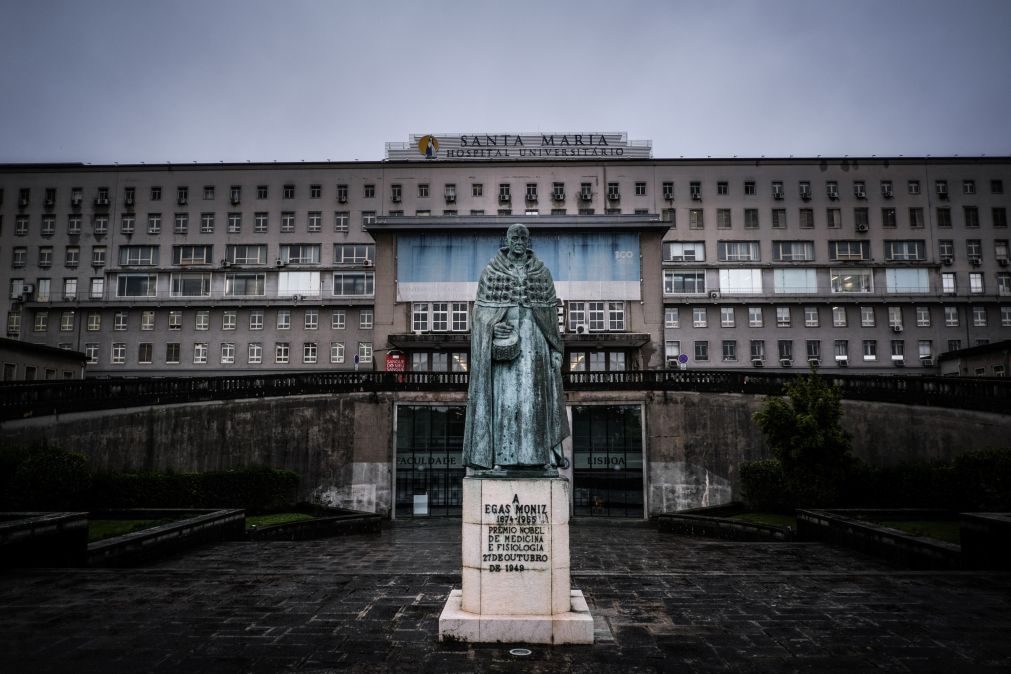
(337, 523)
(204, 526)
(714, 522)
(842, 527)
(572, 627)
(36, 539)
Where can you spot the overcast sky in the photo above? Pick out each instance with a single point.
(209, 80)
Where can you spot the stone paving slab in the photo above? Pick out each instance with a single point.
(371, 603)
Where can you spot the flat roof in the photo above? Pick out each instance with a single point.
(533, 222)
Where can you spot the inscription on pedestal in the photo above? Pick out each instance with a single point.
(519, 538)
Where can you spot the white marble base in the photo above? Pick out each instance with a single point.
(572, 627)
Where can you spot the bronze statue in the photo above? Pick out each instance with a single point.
(515, 405)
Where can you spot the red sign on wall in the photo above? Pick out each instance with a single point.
(395, 361)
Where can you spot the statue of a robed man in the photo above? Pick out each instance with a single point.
(515, 405)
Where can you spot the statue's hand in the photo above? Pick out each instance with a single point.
(556, 360)
(503, 330)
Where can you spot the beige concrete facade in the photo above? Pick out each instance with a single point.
(863, 263)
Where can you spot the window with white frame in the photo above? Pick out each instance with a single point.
(907, 280)
(870, 349)
(199, 353)
(136, 285)
(793, 251)
(948, 283)
(281, 352)
(1005, 316)
(365, 319)
(596, 316)
(256, 319)
(261, 222)
(727, 317)
(979, 317)
(460, 316)
(670, 318)
(41, 321)
(923, 317)
(895, 317)
(348, 284)
(191, 285)
(755, 317)
(976, 283)
(795, 281)
(287, 222)
(738, 251)
(867, 317)
(206, 223)
(839, 317)
(951, 316)
(615, 316)
(229, 319)
(841, 348)
(244, 285)
(365, 352)
(138, 256)
(849, 250)
(118, 353)
(311, 319)
(783, 317)
(354, 253)
(283, 320)
(94, 323)
(811, 317)
(234, 223)
(925, 348)
(70, 289)
(227, 353)
(182, 224)
(254, 353)
(684, 251)
(905, 251)
(729, 350)
(127, 223)
(98, 256)
(701, 350)
(741, 281)
(202, 320)
(684, 282)
(700, 317)
(300, 253)
(336, 352)
(338, 319)
(246, 254)
(672, 349)
(309, 353)
(91, 353)
(298, 283)
(1003, 283)
(314, 221)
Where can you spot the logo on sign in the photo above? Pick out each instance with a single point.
(428, 145)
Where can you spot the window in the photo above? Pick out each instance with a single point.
(723, 218)
(172, 352)
(281, 352)
(951, 316)
(136, 285)
(368, 218)
(234, 223)
(72, 256)
(839, 317)
(356, 254)
(684, 251)
(758, 349)
(202, 320)
(749, 188)
(849, 250)
(640, 189)
(256, 319)
(260, 223)
(806, 218)
(755, 318)
(246, 254)
(948, 282)
(898, 348)
(206, 223)
(888, 218)
(867, 317)
(783, 317)
(239, 285)
(91, 353)
(94, 321)
(300, 253)
(595, 312)
(138, 256)
(726, 317)
(41, 321)
(979, 317)
(841, 349)
(870, 349)
(336, 352)
(1005, 316)
(793, 251)
(913, 186)
(229, 318)
(118, 353)
(832, 189)
(738, 251)
(287, 222)
(338, 319)
(175, 320)
(314, 221)
(811, 317)
(309, 351)
(905, 251)
(886, 189)
(813, 348)
(200, 353)
(672, 349)
(46, 256)
(695, 219)
(182, 223)
(668, 191)
(49, 225)
(971, 215)
(750, 218)
(615, 316)
(833, 218)
(700, 318)
(365, 318)
(154, 223)
(729, 350)
(347, 284)
(460, 317)
(670, 318)
(74, 224)
(741, 281)
(365, 352)
(702, 350)
(1003, 283)
(916, 218)
(1000, 250)
(968, 187)
(861, 219)
(341, 221)
(70, 288)
(684, 282)
(187, 255)
(907, 280)
(944, 217)
(779, 218)
(147, 320)
(975, 283)
(851, 280)
(191, 285)
(925, 348)
(922, 317)
(98, 256)
(974, 250)
(283, 319)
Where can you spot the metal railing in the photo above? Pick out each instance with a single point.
(27, 399)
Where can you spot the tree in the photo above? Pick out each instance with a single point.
(805, 434)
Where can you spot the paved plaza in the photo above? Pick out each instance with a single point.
(372, 602)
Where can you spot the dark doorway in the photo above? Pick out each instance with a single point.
(607, 460)
(429, 458)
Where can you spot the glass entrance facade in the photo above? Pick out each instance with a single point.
(607, 460)
(429, 457)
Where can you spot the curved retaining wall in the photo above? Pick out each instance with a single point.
(342, 446)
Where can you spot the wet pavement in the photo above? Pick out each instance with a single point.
(371, 603)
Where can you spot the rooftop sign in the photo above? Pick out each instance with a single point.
(519, 146)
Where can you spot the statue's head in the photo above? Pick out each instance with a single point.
(517, 239)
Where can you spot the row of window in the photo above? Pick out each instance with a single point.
(805, 281)
(779, 219)
(423, 191)
(227, 353)
(201, 320)
(895, 250)
(840, 316)
(813, 352)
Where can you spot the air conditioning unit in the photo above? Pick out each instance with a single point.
(582, 329)
(128, 201)
(613, 196)
(450, 198)
(366, 262)
(505, 198)
(757, 362)
(785, 362)
(897, 361)
(947, 261)
(22, 202)
(342, 199)
(75, 201)
(672, 362)
(714, 294)
(102, 201)
(395, 198)
(861, 194)
(235, 200)
(50, 201)
(887, 194)
(806, 196)
(842, 361)
(558, 196)
(814, 362)
(975, 261)
(69, 298)
(862, 228)
(586, 195)
(27, 289)
(896, 329)
(1002, 261)
(226, 263)
(279, 262)
(696, 196)
(297, 298)
(183, 201)
(927, 362)
(778, 196)
(833, 194)
(669, 196)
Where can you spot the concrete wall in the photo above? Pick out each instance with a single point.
(342, 447)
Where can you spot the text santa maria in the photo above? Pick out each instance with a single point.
(519, 146)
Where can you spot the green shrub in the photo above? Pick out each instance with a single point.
(763, 486)
(49, 479)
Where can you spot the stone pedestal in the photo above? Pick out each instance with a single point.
(516, 585)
